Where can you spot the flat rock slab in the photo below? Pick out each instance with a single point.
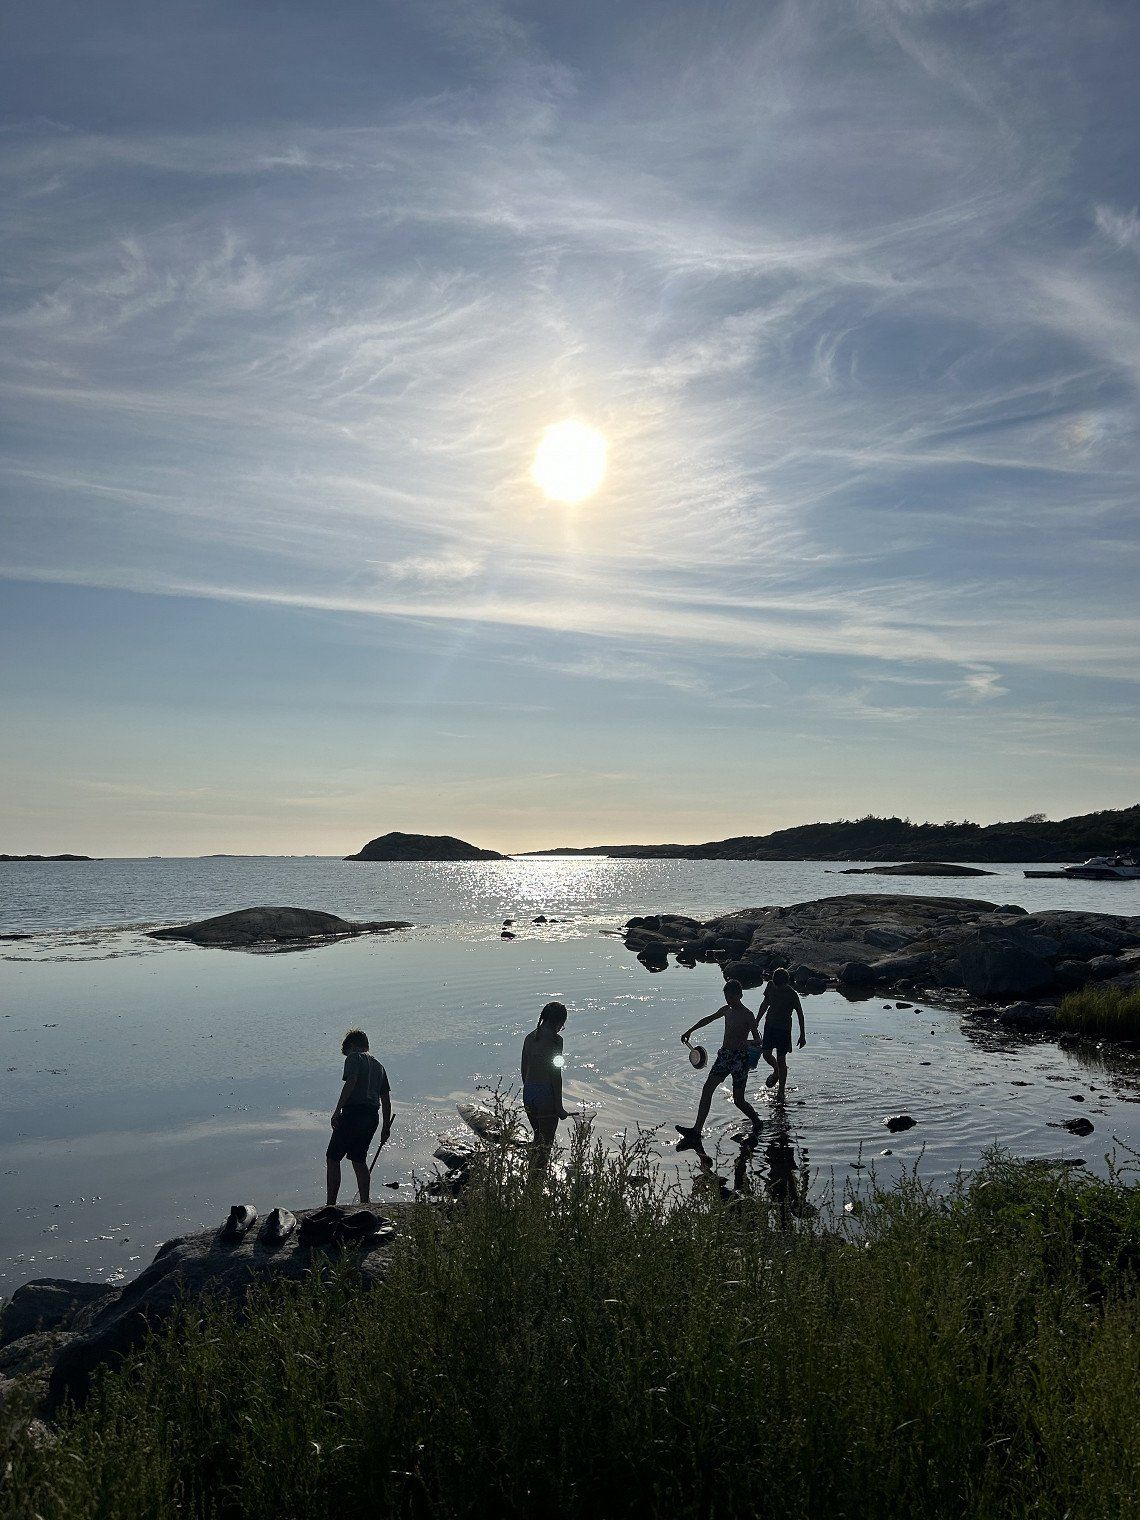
(267, 928)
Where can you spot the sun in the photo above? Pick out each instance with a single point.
(570, 462)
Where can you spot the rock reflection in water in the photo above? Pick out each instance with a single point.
(768, 1159)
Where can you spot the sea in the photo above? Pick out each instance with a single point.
(146, 1085)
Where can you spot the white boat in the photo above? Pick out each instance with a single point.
(1104, 868)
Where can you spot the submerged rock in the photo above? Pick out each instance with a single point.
(1079, 1126)
(289, 927)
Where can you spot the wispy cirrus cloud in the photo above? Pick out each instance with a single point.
(848, 305)
(1119, 227)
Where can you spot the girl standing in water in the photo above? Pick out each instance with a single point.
(542, 1075)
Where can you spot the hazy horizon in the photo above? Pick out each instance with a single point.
(340, 853)
(850, 292)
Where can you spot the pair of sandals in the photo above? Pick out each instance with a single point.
(332, 1226)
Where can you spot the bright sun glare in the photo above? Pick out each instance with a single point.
(569, 462)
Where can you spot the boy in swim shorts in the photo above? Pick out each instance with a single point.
(731, 1061)
(781, 1000)
(355, 1118)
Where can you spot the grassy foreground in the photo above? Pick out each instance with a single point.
(1102, 1011)
(603, 1348)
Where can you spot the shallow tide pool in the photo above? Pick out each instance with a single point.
(147, 1086)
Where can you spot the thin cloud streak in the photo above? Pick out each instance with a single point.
(850, 290)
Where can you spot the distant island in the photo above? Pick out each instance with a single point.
(898, 839)
(916, 868)
(47, 857)
(398, 846)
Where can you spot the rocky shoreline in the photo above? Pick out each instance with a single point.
(56, 1332)
(877, 943)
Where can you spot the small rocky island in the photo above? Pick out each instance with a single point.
(274, 928)
(396, 846)
(46, 857)
(916, 868)
(880, 942)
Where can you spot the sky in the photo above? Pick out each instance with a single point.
(289, 293)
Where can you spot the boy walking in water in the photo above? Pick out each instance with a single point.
(731, 1061)
(357, 1113)
(781, 1000)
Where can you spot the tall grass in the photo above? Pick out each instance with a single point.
(1102, 1011)
(593, 1346)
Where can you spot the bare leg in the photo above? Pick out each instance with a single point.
(545, 1127)
(332, 1178)
(742, 1103)
(782, 1074)
(711, 1085)
(363, 1180)
(771, 1060)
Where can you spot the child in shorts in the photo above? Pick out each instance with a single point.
(781, 1000)
(731, 1061)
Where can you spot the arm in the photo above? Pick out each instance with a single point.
(800, 1013)
(345, 1094)
(525, 1056)
(386, 1108)
(700, 1024)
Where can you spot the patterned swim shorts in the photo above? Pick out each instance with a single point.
(730, 1063)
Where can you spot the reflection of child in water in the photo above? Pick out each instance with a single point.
(781, 1000)
(784, 1177)
(783, 1184)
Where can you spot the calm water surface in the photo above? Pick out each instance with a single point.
(147, 1086)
